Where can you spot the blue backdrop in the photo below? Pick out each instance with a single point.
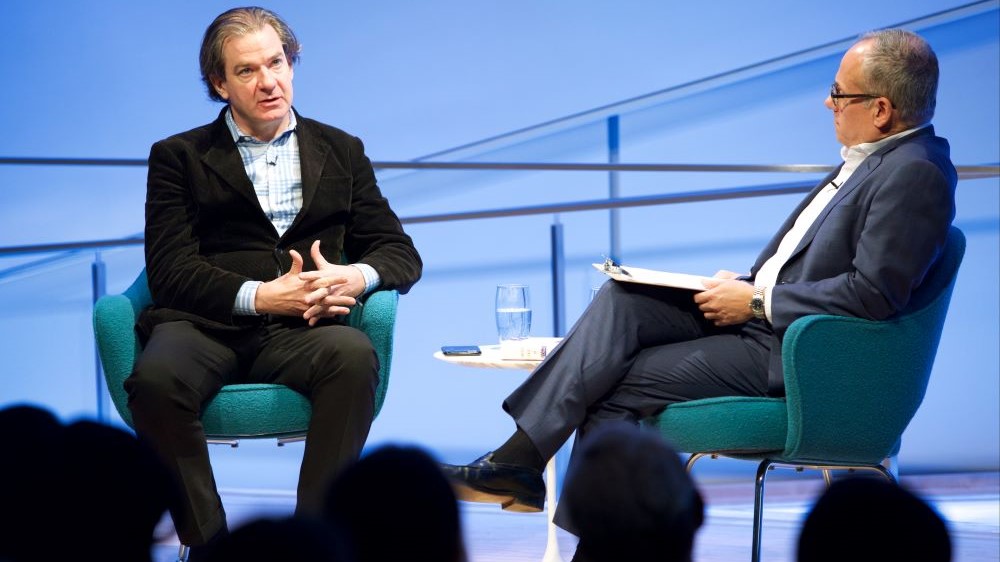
(105, 79)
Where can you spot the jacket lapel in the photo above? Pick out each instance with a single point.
(772, 246)
(312, 158)
(223, 158)
(865, 169)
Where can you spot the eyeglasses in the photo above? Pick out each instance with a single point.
(836, 95)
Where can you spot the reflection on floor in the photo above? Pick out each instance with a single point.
(970, 503)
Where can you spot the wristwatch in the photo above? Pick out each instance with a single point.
(757, 303)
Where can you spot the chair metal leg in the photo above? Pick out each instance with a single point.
(827, 476)
(891, 464)
(689, 465)
(182, 553)
(758, 508)
(887, 469)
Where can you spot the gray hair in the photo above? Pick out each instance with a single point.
(239, 22)
(902, 67)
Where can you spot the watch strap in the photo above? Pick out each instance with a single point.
(757, 302)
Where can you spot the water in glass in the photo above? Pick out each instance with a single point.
(513, 312)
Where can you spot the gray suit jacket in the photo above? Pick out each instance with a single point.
(873, 244)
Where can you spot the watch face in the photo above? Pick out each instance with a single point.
(757, 306)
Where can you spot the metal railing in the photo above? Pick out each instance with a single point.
(557, 260)
(964, 172)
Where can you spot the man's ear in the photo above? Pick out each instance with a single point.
(884, 114)
(220, 87)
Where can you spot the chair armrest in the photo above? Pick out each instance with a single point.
(854, 377)
(117, 345)
(376, 317)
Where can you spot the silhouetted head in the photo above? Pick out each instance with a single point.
(395, 502)
(56, 478)
(629, 497)
(866, 519)
(290, 538)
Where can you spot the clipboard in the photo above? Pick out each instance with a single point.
(651, 276)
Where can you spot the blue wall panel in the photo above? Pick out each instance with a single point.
(106, 79)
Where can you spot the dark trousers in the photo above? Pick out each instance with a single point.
(635, 350)
(181, 367)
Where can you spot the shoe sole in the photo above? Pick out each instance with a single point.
(522, 504)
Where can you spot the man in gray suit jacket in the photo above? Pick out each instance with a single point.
(858, 245)
(249, 221)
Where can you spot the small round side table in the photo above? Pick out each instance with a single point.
(490, 358)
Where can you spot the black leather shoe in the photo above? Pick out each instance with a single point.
(514, 487)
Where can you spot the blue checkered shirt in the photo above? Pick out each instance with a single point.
(276, 173)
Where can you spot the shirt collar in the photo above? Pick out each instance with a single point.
(240, 137)
(861, 151)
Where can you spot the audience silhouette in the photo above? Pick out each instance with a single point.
(69, 489)
(627, 496)
(869, 519)
(56, 477)
(295, 537)
(396, 504)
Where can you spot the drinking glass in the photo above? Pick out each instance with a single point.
(513, 312)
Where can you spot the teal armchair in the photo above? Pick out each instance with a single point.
(239, 411)
(852, 386)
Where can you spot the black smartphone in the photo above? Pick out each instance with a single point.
(460, 350)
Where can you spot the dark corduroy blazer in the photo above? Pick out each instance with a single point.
(206, 233)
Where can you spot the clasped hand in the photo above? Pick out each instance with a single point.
(327, 291)
(726, 299)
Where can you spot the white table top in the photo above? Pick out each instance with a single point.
(489, 358)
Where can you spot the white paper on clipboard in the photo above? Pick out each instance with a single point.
(652, 277)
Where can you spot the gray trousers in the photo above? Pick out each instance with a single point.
(635, 350)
